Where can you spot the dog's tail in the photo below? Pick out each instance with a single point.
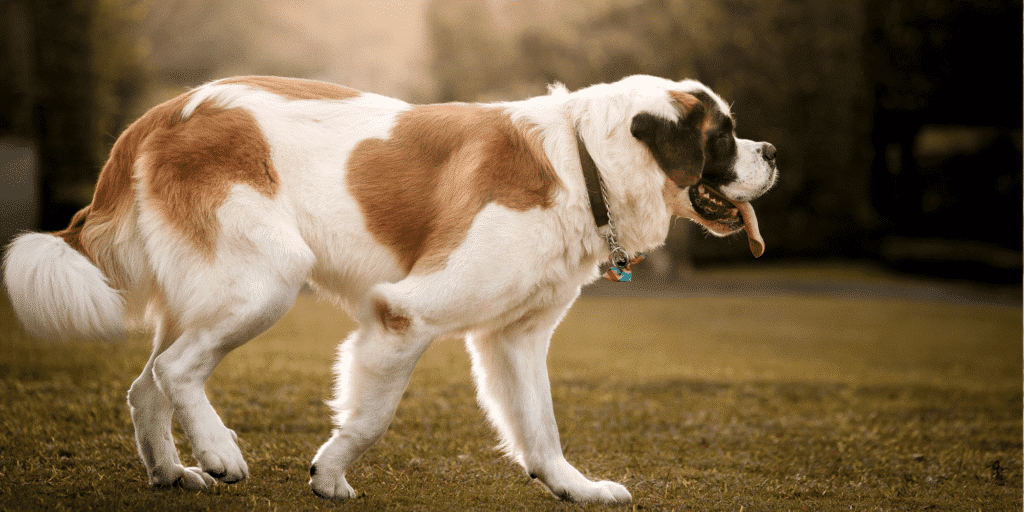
(92, 278)
(56, 289)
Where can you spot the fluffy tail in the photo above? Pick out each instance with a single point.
(57, 292)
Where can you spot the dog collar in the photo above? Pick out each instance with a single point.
(622, 263)
(595, 189)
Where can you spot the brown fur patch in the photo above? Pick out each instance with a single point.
(420, 189)
(391, 321)
(687, 100)
(193, 163)
(670, 192)
(94, 228)
(113, 189)
(295, 88)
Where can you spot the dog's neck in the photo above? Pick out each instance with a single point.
(634, 211)
(620, 258)
(635, 203)
(633, 195)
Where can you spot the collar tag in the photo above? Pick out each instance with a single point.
(619, 275)
(623, 272)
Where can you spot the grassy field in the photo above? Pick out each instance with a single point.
(727, 403)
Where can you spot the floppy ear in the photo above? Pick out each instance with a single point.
(677, 146)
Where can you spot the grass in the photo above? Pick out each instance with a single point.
(789, 403)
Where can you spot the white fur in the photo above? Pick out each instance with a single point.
(504, 288)
(57, 291)
(754, 175)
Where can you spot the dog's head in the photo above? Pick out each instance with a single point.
(712, 174)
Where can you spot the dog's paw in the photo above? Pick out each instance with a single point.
(222, 459)
(611, 492)
(595, 492)
(195, 479)
(192, 479)
(568, 484)
(330, 484)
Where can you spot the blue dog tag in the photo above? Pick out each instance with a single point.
(623, 272)
(617, 274)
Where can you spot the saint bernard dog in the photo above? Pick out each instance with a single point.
(424, 221)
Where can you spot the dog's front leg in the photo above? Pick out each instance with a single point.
(373, 370)
(510, 369)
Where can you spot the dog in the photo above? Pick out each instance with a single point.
(478, 221)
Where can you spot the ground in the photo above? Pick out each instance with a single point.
(778, 388)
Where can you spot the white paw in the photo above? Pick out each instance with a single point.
(565, 482)
(222, 459)
(193, 479)
(612, 492)
(330, 484)
(594, 492)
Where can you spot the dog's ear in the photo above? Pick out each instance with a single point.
(677, 145)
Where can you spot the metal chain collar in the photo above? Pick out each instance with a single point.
(619, 256)
(621, 270)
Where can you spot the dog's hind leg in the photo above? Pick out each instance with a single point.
(151, 414)
(510, 369)
(256, 301)
(218, 304)
(373, 369)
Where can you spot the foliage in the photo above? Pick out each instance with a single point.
(72, 67)
(119, 67)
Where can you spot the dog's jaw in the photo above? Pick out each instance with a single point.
(678, 202)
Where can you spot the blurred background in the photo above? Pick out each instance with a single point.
(898, 123)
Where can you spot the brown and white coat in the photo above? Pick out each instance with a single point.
(424, 221)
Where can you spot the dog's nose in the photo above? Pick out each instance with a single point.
(768, 152)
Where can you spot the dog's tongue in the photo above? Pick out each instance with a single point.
(750, 226)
